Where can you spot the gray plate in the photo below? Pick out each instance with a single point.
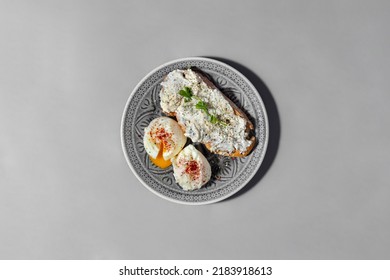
(229, 174)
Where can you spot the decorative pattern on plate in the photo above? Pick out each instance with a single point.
(229, 174)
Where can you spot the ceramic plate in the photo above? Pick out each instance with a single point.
(229, 174)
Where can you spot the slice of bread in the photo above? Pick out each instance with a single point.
(232, 135)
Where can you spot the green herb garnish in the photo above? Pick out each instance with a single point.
(214, 119)
(201, 105)
(186, 93)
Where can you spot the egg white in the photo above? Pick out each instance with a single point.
(175, 139)
(180, 164)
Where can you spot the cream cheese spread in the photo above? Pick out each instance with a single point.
(228, 135)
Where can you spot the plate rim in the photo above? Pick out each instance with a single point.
(266, 124)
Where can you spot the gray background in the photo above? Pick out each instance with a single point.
(68, 67)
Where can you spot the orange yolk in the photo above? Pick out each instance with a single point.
(160, 161)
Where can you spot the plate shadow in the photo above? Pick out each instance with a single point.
(273, 122)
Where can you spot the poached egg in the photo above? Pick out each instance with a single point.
(163, 139)
(191, 169)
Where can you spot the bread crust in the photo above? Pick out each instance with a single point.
(237, 111)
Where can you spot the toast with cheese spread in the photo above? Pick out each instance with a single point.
(206, 115)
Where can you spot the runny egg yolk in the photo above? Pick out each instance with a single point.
(159, 160)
